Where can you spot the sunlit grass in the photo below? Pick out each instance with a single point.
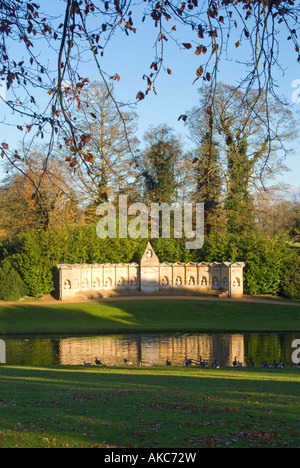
(148, 407)
(152, 315)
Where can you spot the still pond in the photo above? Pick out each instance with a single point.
(150, 349)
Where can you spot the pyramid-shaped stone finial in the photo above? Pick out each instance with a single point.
(149, 257)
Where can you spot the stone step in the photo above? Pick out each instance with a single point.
(221, 294)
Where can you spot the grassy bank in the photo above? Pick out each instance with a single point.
(152, 315)
(154, 407)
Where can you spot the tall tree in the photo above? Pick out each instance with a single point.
(104, 167)
(29, 202)
(207, 174)
(250, 153)
(294, 228)
(277, 215)
(162, 165)
(239, 205)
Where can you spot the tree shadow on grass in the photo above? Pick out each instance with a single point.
(96, 317)
(142, 315)
(138, 407)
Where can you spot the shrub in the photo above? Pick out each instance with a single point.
(33, 261)
(12, 287)
(291, 278)
(265, 263)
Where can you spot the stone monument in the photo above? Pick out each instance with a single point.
(150, 277)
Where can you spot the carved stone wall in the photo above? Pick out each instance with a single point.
(150, 277)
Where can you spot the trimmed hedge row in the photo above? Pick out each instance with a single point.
(28, 262)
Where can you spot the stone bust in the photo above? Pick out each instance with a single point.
(149, 253)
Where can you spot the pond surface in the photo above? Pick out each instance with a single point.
(150, 349)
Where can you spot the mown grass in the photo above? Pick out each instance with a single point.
(152, 315)
(149, 407)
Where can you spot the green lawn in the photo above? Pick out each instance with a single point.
(151, 315)
(57, 406)
(154, 407)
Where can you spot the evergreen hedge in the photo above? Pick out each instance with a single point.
(12, 287)
(291, 278)
(34, 256)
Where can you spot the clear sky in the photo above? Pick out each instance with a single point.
(131, 57)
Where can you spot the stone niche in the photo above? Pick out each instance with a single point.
(150, 277)
(235, 279)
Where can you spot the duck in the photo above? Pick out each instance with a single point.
(87, 364)
(216, 364)
(265, 364)
(202, 363)
(188, 362)
(281, 364)
(235, 363)
(144, 363)
(97, 362)
(168, 363)
(127, 363)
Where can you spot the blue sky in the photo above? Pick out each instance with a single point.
(131, 57)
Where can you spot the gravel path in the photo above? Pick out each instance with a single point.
(246, 299)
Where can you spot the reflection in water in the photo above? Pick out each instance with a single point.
(151, 349)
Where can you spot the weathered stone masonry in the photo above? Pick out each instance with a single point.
(150, 277)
